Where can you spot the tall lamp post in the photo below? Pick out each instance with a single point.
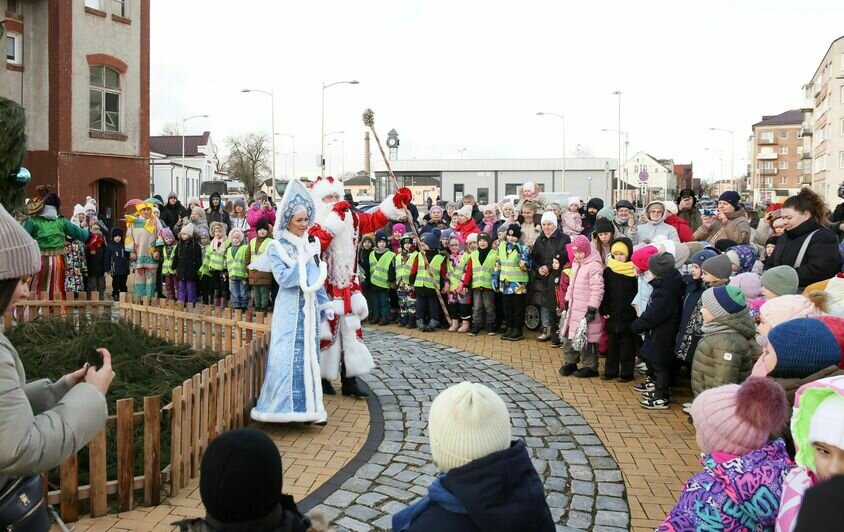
(272, 127)
(461, 150)
(322, 121)
(626, 144)
(292, 151)
(618, 172)
(732, 133)
(720, 162)
(563, 118)
(185, 168)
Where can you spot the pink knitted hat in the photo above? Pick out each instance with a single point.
(738, 419)
(399, 228)
(789, 307)
(749, 283)
(581, 244)
(641, 256)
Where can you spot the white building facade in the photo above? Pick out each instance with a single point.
(655, 177)
(170, 172)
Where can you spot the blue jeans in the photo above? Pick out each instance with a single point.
(381, 304)
(240, 293)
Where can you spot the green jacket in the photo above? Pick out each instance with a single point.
(42, 423)
(693, 217)
(51, 234)
(724, 354)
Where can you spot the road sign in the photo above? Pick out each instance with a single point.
(643, 176)
(643, 189)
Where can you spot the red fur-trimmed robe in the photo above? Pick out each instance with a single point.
(342, 336)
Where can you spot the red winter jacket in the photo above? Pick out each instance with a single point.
(684, 230)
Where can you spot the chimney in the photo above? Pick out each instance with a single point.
(367, 156)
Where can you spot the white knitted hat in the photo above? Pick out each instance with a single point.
(19, 254)
(467, 421)
(549, 217)
(465, 211)
(827, 425)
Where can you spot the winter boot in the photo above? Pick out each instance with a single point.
(410, 323)
(384, 321)
(350, 387)
(454, 325)
(568, 369)
(518, 334)
(556, 341)
(433, 325)
(474, 331)
(507, 334)
(464, 327)
(327, 388)
(224, 303)
(420, 324)
(545, 336)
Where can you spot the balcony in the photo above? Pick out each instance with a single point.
(806, 155)
(806, 180)
(805, 131)
(768, 171)
(808, 104)
(772, 156)
(766, 141)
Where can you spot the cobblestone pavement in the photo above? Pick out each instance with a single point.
(583, 484)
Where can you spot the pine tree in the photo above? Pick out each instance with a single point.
(12, 153)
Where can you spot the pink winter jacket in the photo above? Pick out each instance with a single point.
(572, 223)
(254, 216)
(586, 289)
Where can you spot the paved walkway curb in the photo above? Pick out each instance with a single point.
(583, 484)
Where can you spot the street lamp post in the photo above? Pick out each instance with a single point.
(732, 133)
(272, 127)
(563, 173)
(322, 121)
(461, 150)
(618, 172)
(720, 162)
(292, 152)
(185, 168)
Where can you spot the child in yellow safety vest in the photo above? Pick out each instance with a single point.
(511, 278)
(428, 280)
(236, 268)
(214, 265)
(167, 270)
(479, 268)
(382, 276)
(404, 289)
(260, 283)
(459, 295)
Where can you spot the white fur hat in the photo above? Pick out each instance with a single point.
(465, 211)
(670, 206)
(90, 207)
(325, 186)
(78, 209)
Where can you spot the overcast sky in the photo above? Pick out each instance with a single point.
(472, 74)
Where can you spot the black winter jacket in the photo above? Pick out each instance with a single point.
(544, 250)
(501, 491)
(661, 319)
(116, 258)
(822, 259)
(187, 260)
(619, 291)
(171, 214)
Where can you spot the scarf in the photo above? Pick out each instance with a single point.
(622, 268)
(483, 253)
(437, 494)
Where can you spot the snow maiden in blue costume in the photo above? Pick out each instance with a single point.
(292, 391)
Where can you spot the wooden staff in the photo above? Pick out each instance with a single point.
(369, 121)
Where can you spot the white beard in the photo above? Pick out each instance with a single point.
(322, 211)
(341, 255)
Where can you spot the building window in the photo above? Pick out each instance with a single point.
(93, 4)
(483, 196)
(783, 150)
(783, 165)
(13, 49)
(119, 8)
(842, 127)
(783, 180)
(511, 189)
(766, 136)
(784, 134)
(458, 193)
(12, 6)
(841, 159)
(105, 99)
(767, 165)
(842, 93)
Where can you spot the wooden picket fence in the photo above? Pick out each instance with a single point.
(213, 401)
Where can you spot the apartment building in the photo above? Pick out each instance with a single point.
(80, 68)
(823, 124)
(777, 155)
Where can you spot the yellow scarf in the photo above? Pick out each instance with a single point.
(621, 268)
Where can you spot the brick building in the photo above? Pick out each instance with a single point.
(777, 152)
(81, 71)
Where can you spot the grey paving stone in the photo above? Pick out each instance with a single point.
(353, 524)
(393, 507)
(369, 471)
(362, 513)
(579, 520)
(393, 469)
(611, 503)
(608, 476)
(582, 503)
(581, 487)
(370, 499)
(358, 485)
(341, 498)
(383, 523)
(557, 500)
(610, 489)
(395, 493)
(608, 518)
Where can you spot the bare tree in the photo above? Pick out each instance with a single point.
(171, 129)
(221, 164)
(248, 160)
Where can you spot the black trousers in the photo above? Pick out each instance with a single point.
(427, 305)
(660, 372)
(118, 284)
(621, 354)
(514, 310)
(460, 311)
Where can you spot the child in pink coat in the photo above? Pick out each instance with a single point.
(583, 298)
(572, 221)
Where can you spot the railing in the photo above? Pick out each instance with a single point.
(215, 400)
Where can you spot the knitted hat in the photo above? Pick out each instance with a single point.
(78, 209)
(686, 193)
(432, 239)
(803, 347)
(836, 326)
(553, 205)
(172, 195)
(641, 256)
(188, 229)
(661, 264)
(781, 280)
(573, 200)
(262, 224)
(482, 236)
(744, 257)
(465, 211)
(732, 197)
(240, 476)
(166, 233)
(827, 424)
(719, 266)
(549, 217)
(624, 204)
(788, 307)
(90, 207)
(607, 212)
(581, 244)
(603, 225)
(488, 208)
(749, 283)
(835, 293)
(671, 207)
(772, 240)
(722, 301)
(702, 256)
(381, 235)
(681, 255)
(238, 201)
(435, 208)
(514, 230)
(19, 253)
(620, 247)
(399, 228)
(467, 421)
(739, 419)
(473, 237)
(810, 400)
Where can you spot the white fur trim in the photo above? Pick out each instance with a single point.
(317, 416)
(341, 255)
(356, 355)
(359, 306)
(390, 210)
(323, 187)
(325, 330)
(329, 360)
(334, 225)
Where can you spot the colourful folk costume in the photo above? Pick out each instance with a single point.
(339, 228)
(292, 391)
(142, 239)
(51, 231)
(76, 267)
(404, 290)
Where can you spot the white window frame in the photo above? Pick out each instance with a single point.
(93, 4)
(783, 165)
(103, 90)
(783, 150)
(783, 180)
(842, 126)
(120, 8)
(841, 159)
(18, 46)
(784, 134)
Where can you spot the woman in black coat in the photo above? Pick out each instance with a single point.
(620, 287)
(805, 217)
(550, 243)
(172, 212)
